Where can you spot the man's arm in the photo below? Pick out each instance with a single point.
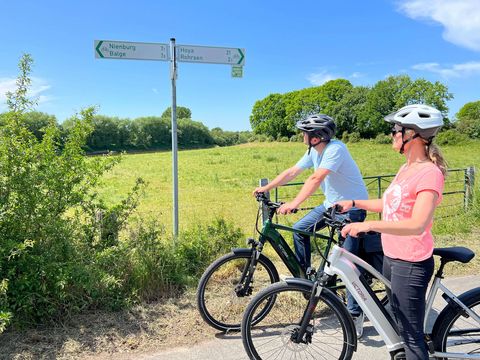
(310, 186)
(283, 178)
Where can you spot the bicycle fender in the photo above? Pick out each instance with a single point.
(467, 297)
(298, 281)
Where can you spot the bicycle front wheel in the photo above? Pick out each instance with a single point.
(455, 331)
(220, 305)
(330, 333)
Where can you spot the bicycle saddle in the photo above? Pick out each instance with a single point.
(456, 253)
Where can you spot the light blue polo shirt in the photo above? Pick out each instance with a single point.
(344, 182)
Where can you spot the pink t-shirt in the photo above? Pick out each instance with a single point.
(398, 202)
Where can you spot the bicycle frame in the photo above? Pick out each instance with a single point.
(344, 264)
(270, 233)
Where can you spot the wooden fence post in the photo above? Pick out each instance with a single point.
(469, 185)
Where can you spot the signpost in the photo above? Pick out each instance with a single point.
(210, 55)
(126, 50)
(237, 71)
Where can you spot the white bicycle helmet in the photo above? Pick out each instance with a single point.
(424, 119)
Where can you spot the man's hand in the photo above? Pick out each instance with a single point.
(353, 229)
(287, 208)
(345, 204)
(261, 189)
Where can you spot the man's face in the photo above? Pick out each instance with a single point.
(314, 141)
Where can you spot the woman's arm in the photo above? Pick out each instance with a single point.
(422, 215)
(375, 205)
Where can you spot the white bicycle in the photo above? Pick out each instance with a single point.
(308, 321)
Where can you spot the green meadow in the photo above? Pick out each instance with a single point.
(218, 182)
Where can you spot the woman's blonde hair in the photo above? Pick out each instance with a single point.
(435, 155)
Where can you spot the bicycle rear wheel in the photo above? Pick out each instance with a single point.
(330, 334)
(218, 303)
(457, 332)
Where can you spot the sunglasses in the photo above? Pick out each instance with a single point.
(396, 129)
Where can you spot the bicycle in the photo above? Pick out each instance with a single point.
(309, 318)
(228, 284)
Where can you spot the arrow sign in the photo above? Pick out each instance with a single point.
(209, 54)
(126, 50)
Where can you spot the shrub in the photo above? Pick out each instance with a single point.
(451, 137)
(354, 137)
(49, 246)
(383, 139)
(283, 139)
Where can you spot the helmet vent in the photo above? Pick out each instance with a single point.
(423, 115)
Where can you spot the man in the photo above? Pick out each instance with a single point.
(339, 178)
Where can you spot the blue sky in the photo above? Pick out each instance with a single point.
(289, 45)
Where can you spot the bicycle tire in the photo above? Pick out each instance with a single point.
(217, 301)
(331, 335)
(455, 332)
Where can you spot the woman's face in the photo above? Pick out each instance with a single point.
(396, 137)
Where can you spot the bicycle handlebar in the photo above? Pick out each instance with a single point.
(268, 203)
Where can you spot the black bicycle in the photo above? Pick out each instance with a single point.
(228, 284)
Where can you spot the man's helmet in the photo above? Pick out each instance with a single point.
(318, 125)
(424, 119)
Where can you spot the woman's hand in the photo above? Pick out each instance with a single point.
(345, 204)
(353, 229)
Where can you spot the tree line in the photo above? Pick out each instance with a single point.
(358, 110)
(143, 133)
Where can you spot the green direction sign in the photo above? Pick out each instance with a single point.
(210, 54)
(125, 50)
(237, 71)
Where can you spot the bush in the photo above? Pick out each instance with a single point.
(451, 137)
(383, 139)
(296, 138)
(50, 247)
(345, 137)
(283, 139)
(354, 137)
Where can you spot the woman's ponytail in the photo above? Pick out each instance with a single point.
(435, 156)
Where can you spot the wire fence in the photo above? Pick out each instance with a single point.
(457, 194)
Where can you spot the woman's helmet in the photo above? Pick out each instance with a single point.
(424, 119)
(318, 125)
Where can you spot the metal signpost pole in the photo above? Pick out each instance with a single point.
(173, 59)
(127, 50)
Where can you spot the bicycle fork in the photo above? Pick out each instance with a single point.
(303, 334)
(243, 287)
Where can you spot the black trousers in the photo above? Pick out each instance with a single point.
(409, 287)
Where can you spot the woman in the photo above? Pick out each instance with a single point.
(407, 210)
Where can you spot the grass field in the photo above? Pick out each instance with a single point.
(218, 182)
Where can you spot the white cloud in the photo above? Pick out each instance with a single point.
(323, 76)
(457, 70)
(460, 18)
(37, 90)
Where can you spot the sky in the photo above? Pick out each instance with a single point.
(289, 45)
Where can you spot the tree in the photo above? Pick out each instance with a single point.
(269, 116)
(37, 122)
(151, 132)
(182, 113)
(468, 119)
(193, 134)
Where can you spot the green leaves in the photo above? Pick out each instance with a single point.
(356, 109)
